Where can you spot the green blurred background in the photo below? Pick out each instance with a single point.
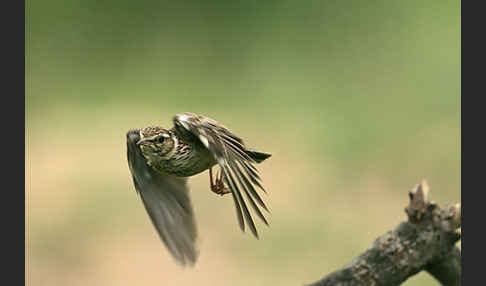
(356, 100)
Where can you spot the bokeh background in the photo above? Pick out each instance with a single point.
(358, 101)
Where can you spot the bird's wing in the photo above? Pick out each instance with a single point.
(166, 199)
(236, 165)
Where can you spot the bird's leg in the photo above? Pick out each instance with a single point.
(218, 187)
(220, 184)
(211, 178)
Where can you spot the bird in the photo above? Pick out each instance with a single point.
(161, 161)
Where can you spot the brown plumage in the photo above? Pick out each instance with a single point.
(160, 161)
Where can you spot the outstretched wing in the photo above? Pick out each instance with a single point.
(166, 199)
(233, 159)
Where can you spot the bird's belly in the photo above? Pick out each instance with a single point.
(189, 166)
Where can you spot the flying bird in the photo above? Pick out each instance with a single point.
(161, 160)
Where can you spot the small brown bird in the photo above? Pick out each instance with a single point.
(161, 160)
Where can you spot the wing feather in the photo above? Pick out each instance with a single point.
(166, 199)
(236, 192)
(246, 186)
(236, 165)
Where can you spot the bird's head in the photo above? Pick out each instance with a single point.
(156, 142)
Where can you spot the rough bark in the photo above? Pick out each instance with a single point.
(427, 241)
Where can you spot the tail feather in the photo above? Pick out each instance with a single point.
(258, 156)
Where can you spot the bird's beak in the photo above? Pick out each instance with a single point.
(142, 141)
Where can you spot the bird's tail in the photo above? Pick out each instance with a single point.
(257, 156)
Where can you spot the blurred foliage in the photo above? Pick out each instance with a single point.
(357, 100)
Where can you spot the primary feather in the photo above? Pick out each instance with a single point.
(235, 161)
(167, 202)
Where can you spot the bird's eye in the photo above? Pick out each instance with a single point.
(160, 139)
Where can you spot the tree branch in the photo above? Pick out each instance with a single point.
(425, 242)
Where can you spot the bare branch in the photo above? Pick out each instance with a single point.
(425, 242)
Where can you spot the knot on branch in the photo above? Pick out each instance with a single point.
(419, 204)
(452, 217)
(422, 211)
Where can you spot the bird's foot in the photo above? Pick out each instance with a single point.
(219, 187)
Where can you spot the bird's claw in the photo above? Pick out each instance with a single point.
(219, 187)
